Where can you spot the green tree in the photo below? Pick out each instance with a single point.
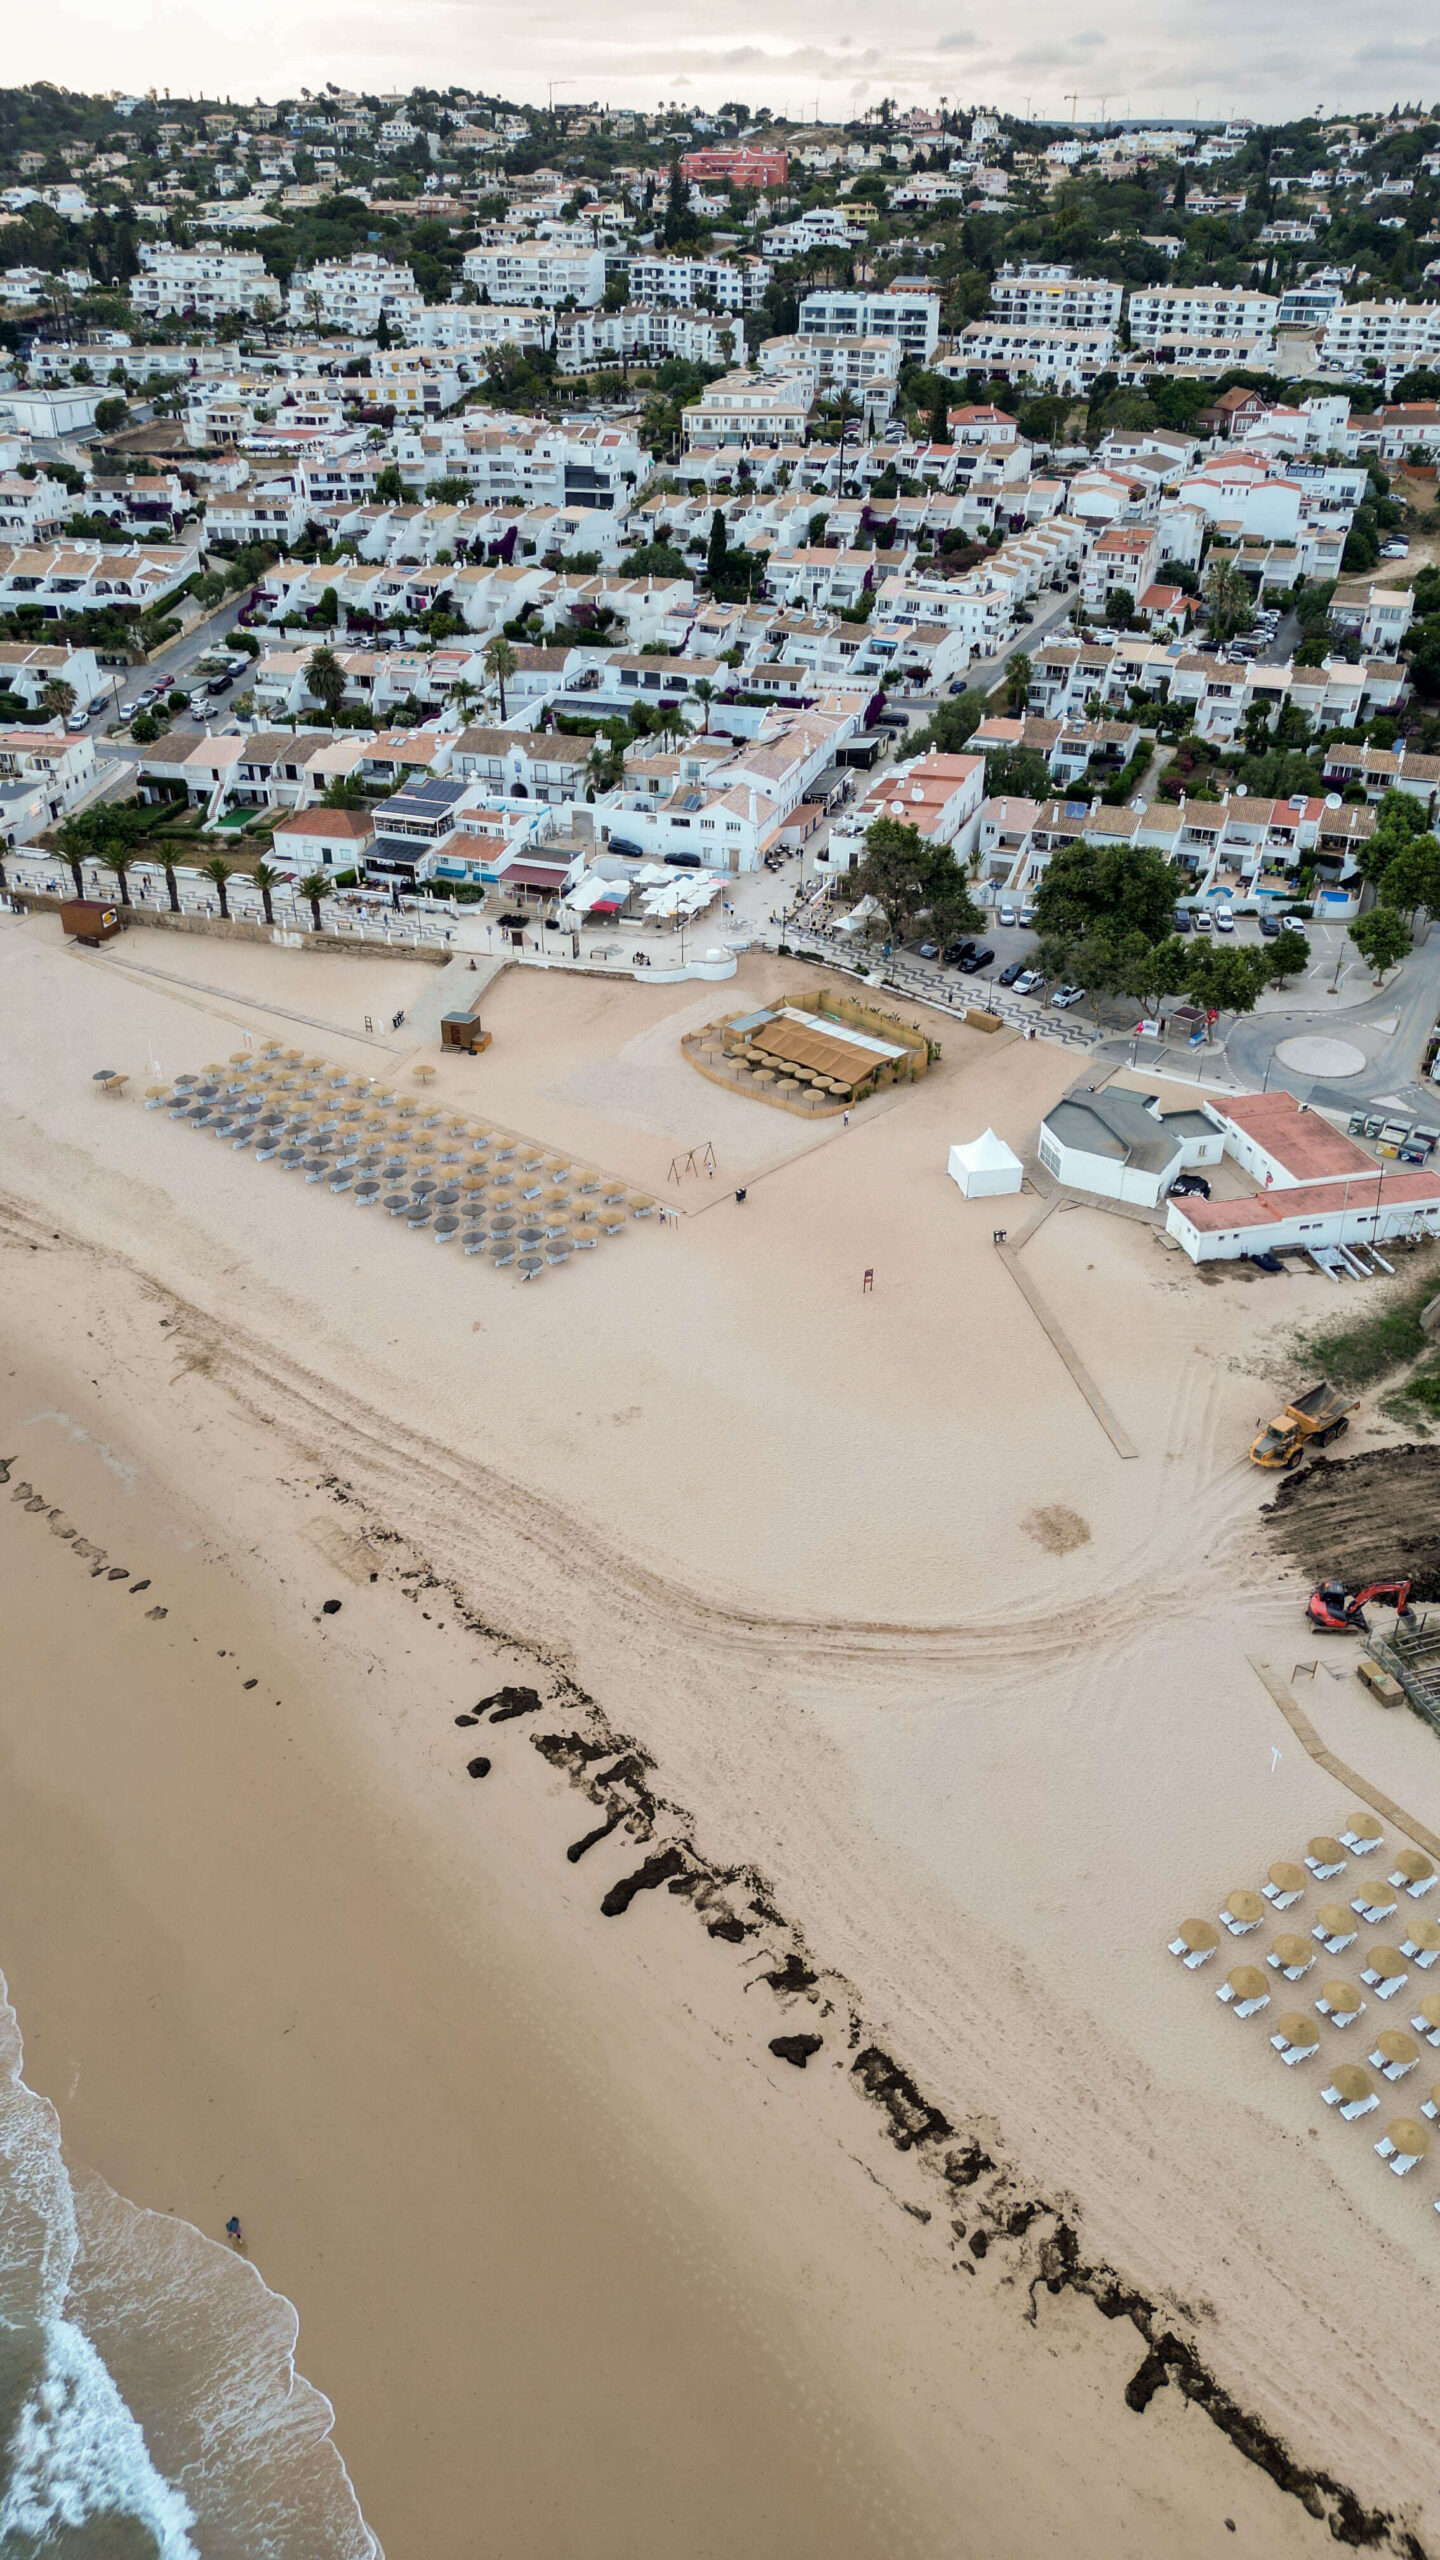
(388, 484)
(1020, 772)
(110, 415)
(500, 662)
(1117, 889)
(1399, 823)
(952, 724)
(938, 429)
(218, 870)
(1382, 938)
(1225, 978)
(119, 858)
(58, 698)
(315, 886)
(1017, 683)
(327, 611)
(1411, 878)
(717, 549)
(267, 881)
(704, 692)
(1288, 955)
(1228, 601)
(325, 678)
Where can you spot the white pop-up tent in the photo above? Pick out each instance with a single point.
(985, 1168)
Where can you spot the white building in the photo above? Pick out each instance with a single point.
(208, 281)
(1024, 351)
(647, 333)
(1056, 301)
(537, 271)
(911, 319)
(1389, 335)
(354, 293)
(724, 283)
(1120, 1145)
(1166, 315)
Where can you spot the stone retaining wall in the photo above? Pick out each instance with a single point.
(240, 929)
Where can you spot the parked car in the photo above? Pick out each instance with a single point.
(955, 952)
(976, 960)
(1201, 921)
(1010, 976)
(1396, 550)
(1269, 927)
(1006, 915)
(929, 950)
(1190, 1186)
(1028, 982)
(1224, 920)
(622, 844)
(1184, 921)
(1065, 996)
(1265, 1261)
(77, 721)
(1027, 912)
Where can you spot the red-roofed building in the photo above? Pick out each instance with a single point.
(1306, 1215)
(324, 839)
(742, 166)
(1282, 1143)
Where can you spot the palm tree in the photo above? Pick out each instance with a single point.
(704, 693)
(218, 870)
(501, 661)
(167, 865)
(315, 886)
(118, 858)
(59, 698)
(465, 696)
(266, 880)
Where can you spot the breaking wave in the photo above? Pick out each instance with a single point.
(149, 2404)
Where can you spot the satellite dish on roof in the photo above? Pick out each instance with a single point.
(1242, 790)
(1333, 800)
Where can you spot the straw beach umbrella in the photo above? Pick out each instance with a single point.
(1291, 1956)
(1403, 2144)
(1242, 1911)
(1296, 2036)
(1245, 1989)
(1340, 2002)
(1362, 1831)
(1393, 2053)
(1324, 1857)
(1283, 1884)
(1335, 1927)
(1351, 2090)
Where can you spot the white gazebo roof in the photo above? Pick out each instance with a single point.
(986, 1154)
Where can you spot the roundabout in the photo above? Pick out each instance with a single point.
(1312, 1054)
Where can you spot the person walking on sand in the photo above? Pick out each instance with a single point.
(234, 2234)
(844, 1119)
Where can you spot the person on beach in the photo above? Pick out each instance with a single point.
(233, 2232)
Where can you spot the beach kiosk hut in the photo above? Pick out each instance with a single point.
(1242, 1912)
(985, 1167)
(1195, 1942)
(1351, 2090)
(1291, 1956)
(1246, 1989)
(1325, 1858)
(1335, 1927)
(1295, 2037)
(1362, 1832)
(1403, 2144)
(1413, 1873)
(1340, 2002)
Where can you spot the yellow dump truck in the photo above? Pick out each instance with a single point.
(1312, 1421)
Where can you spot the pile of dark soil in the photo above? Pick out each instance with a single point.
(1363, 1519)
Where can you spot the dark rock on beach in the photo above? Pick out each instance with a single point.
(796, 2049)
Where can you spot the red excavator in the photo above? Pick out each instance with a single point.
(1334, 1611)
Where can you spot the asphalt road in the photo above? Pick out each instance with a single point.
(1389, 1026)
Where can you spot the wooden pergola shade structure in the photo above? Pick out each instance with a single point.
(841, 1062)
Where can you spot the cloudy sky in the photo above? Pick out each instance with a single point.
(1257, 57)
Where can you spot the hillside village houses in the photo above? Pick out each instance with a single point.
(894, 558)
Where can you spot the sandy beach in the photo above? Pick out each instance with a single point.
(947, 1714)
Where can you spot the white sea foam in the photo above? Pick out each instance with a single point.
(148, 2373)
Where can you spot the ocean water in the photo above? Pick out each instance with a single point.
(149, 2404)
